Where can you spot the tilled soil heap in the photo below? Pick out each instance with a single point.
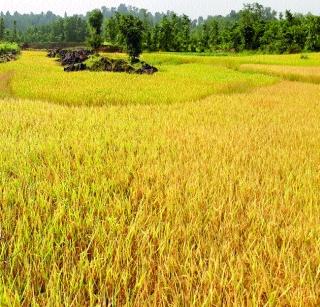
(74, 60)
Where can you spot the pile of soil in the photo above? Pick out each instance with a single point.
(99, 63)
(70, 57)
(7, 57)
(84, 59)
(146, 69)
(75, 67)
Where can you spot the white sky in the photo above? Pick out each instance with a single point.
(193, 8)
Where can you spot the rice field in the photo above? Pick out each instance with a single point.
(292, 73)
(38, 77)
(198, 186)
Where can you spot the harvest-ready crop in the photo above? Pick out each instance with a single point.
(196, 186)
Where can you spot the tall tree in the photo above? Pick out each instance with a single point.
(166, 34)
(95, 21)
(14, 32)
(313, 33)
(111, 30)
(2, 28)
(185, 32)
(131, 29)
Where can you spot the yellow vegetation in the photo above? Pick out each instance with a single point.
(292, 73)
(207, 202)
(38, 77)
(5, 78)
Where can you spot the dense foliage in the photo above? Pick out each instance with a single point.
(9, 48)
(95, 21)
(131, 31)
(255, 27)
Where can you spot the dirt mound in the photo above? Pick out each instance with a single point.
(75, 67)
(146, 69)
(69, 57)
(99, 63)
(7, 57)
(84, 59)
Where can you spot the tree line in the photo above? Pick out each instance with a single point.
(254, 27)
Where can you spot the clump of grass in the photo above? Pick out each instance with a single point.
(304, 57)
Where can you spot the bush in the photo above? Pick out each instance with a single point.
(9, 48)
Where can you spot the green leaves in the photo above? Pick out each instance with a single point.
(131, 29)
(95, 29)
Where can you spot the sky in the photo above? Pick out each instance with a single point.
(193, 8)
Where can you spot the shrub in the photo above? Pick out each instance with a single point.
(9, 48)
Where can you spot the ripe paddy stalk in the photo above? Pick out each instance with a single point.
(207, 202)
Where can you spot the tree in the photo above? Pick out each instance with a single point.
(293, 33)
(146, 19)
(74, 29)
(131, 29)
(271, 41)
(166, 35)
(254, 27)
(185, 32)
(2, 29)
(313, 33)
(111, 30)
(95, 29)
(252, 23)
(204, 38)
(57, 32)
(14, 32)
(213, 28)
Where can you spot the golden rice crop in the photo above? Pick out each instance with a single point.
(203, 203)
(292, 73)
(38, 77)
(5, 79)
(162, 58)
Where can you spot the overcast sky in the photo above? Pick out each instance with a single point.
(193, 8)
